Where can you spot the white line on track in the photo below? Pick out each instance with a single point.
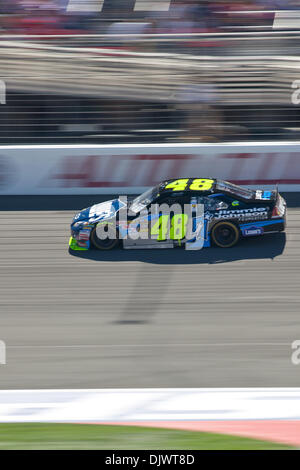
(166, 404)
(152, 345)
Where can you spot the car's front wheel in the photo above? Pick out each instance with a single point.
(103, 244)
(225, 234)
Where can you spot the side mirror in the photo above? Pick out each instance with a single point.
(222, 205)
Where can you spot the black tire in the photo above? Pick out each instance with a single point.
(104, 245)
(225, 234)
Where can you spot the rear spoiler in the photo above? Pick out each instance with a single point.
(274, 192)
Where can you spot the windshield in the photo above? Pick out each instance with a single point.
(140, 202)
(234, 189)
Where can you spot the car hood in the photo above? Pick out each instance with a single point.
(98, 212)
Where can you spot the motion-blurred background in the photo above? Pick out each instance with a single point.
(225, 73)
(135, 71)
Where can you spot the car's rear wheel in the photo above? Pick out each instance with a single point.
(225, 234)
(106, 244)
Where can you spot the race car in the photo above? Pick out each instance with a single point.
(230, 212)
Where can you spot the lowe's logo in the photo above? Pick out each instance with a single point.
(252, 231)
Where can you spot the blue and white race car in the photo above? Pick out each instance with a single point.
(230, 212)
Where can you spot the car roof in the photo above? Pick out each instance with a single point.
(205, 186)
(165, 183)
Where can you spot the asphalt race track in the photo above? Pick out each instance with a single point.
(213, 318)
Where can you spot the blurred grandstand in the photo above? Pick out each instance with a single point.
(131, 71)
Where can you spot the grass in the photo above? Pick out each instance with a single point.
(86, 436)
